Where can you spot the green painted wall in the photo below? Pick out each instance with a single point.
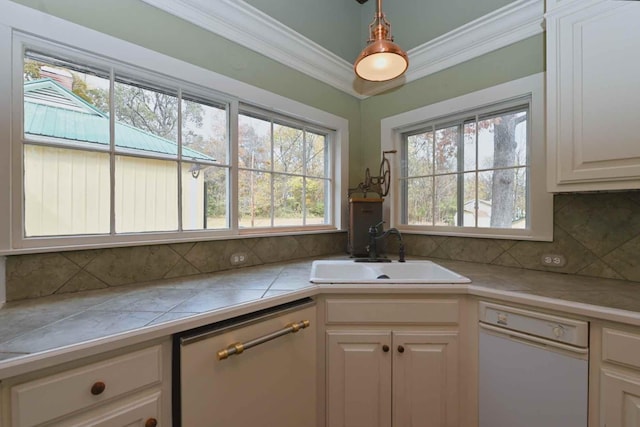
(509, 63)
(333, 24)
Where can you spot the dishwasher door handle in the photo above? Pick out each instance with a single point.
(238, 348)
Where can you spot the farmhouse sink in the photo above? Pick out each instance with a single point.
(412, 272)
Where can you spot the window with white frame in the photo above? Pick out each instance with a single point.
(468, 172)
(283, 172)
(112, 152)
(473, 165)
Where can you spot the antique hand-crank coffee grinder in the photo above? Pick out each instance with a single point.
(366, 211)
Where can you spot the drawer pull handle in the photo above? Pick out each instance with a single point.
(400, 349)
(238, 348)
(151, 422)
(97, 388)
(385, 348)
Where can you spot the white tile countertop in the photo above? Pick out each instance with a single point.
(55, 329)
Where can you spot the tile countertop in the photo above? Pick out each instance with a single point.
(50, 330)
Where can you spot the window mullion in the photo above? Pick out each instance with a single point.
(477, 144)
(433, 178)
(179, 164)
(273, 177)
(233, 147)
(112, 153)
(460, 177)
(304, 176)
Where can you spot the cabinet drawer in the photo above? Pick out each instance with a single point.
(76, 389)
(131, 412)
(621, 347)
(393, 311)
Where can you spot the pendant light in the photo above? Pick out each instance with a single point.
(382, 59)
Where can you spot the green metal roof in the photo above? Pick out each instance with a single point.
(52, 111)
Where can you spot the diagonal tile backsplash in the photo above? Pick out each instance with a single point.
(36, 275)
(597, 233)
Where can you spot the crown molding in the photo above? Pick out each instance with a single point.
(245, 25)
(507, 25)
(242, 23)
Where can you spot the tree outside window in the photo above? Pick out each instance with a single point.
(467, 172)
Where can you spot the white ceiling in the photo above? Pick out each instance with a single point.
(242, 23)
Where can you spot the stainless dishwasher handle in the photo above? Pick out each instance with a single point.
(238, 348)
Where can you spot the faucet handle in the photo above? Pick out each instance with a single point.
(373, 229)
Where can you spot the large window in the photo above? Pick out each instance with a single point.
(473, 165)
(111, 150)
(283, 174)
(468, 172)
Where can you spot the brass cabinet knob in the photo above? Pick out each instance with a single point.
(400, 349)
(385, 348)
(151, 422)
(98, 387)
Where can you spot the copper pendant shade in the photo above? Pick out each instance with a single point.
(382, 59)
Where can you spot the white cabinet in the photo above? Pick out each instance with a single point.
(127, 389)
(593, 87)
(615, 376)
(392, 363)
(359, 378)
(620, 399)
(425, 378)
(385, 378)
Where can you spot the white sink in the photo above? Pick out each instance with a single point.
(349, 271)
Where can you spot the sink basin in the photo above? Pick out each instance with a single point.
(416, 272)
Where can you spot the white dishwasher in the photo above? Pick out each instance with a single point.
(533, 369)
(254, 370)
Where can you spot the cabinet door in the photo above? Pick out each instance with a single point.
(619, 399)
(425, 379)
(593, 91)
(358, 379)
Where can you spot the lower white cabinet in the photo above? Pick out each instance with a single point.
(620, 399)
(136, 411)
(615, 376)
(425, 378)
(123, 390)
(403, 373)
(392, 378)
(359, 378)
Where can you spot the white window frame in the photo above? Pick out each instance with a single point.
(306, 127)
(540, 213)
(21, 26)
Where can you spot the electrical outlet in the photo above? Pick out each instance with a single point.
(238, 258)
(553, 260)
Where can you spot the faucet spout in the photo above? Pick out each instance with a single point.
(374, 237)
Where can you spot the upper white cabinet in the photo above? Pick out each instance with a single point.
(593, 93)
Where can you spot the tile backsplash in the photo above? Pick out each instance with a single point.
(598, 234)
(36, 275)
